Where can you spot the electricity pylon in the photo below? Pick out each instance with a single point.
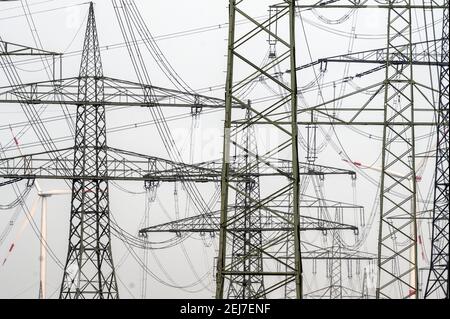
(398, 116)
(241, 41)
(397, 265)
(399, 269)
(437, 283)
(90, 164)
(89, 271)
(244, 257)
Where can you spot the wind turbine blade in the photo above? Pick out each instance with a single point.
(24, 224)
(38, 188)
(56, 192)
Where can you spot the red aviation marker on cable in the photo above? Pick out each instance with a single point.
(16, 140)
(10, 249)
(354, 163)
(26, 220)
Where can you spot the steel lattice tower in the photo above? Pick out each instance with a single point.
(241, 72)
(249, 235)
(89, 270)
(437, 284)
(335, 262)
(398, 265)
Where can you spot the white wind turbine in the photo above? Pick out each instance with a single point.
(42, 197)
(419, 166)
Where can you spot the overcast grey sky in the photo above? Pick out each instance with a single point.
(199, 57)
